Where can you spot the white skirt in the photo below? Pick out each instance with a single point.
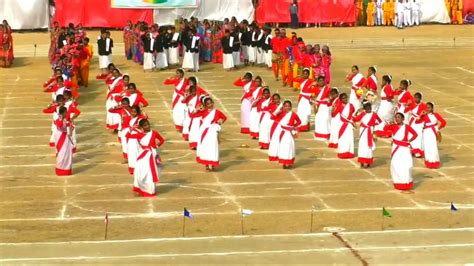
(236, 58)
(334, 131)
(161, 61)
(145, 170)
(245, 52)
(264, 130)
(286, 148)
(228, 61)
(173, 56)
(304, 111)
(245, 108)
(252, 54)
(64, 155)
(254, 122)
(133, 150)
(123, 140)
(268, 58)
(53, 131)
(112, 119)
(417, 144)
(103, 61)
(354, 100)
(196, 62)
(186, 123)
(148, 61)
(345, 145)
(188, 60)
(385, 112)
(365, 153)
(194, 132)
(401, 166)
(274, 144)
(208, 148)
(431, 148)
(322, 122)
(178, 112)
(260, 56)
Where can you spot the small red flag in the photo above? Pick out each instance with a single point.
(106, 219)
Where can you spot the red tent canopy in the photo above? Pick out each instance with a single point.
(98, 13)
(310, 11)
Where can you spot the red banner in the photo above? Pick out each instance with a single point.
(98, 14)
(467, 6)
(309, 11)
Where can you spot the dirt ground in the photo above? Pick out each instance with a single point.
(50, 219)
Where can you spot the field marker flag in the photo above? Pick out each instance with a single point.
(187, 214)
(246, 212)
(453, 208)
(385, 213)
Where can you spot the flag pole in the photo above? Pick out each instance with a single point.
(451, 216)
(242, 221)
(106, 227)
(184, 224)
(383, 218)
(311, 227)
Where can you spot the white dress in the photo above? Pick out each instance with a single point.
(64, 147)
(416, 144)
(430, 140)
(304, 105)
(112, 119)
(366, 139)
(322, 119)
(385, 111)
(287, 148)
(357, 82)
(255, 114)
(401, 165)
(345, 147)
(147, 168)
(207, 152)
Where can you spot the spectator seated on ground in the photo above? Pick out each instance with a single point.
(469, 19)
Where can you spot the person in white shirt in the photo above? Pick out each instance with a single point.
(416, 12)
(399, 10)
(407, 14)
(378, 13)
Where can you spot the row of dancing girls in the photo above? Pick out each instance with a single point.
(196, 118)
(336, 116)
(126, 117)
(268, 119)
(64, 111)
(413, 126)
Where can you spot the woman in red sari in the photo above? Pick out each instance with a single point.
(217, 53)
(6, 45)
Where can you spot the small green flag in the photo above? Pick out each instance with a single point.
(385, 213)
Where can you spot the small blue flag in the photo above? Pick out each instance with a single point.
(187, 214)
(453, 208)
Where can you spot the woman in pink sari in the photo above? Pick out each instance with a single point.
(326, 63)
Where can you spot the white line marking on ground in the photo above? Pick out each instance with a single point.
(465, 70)
(185, 239)
(233, 253)
(179, 213)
